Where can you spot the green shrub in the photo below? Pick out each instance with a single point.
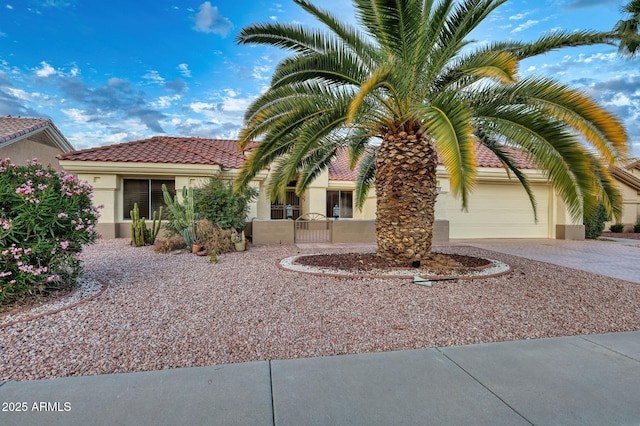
(636, 227)
(218, 202)
(594, 226)
(45, 219)
(617, 227)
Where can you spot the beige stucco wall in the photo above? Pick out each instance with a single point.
(630, 207)
(498, 207)
(273, 231)
(26, 149)
(106, 179)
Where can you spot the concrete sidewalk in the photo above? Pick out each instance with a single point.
(580, 380)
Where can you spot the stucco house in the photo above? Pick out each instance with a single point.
(131, 172)
(23, 139)
(627, 175)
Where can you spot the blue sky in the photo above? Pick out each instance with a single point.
(120, 70)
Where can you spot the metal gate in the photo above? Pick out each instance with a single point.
(312, 228)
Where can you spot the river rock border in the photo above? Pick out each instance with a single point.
(496, 269)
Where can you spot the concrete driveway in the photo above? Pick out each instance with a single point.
(617, 258)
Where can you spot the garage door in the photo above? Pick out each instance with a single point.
(500, 211)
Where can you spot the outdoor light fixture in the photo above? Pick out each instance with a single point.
(289, 211)
(336, 212)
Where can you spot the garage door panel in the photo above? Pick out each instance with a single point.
(500, 211)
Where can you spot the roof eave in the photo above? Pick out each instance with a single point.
(51, 131)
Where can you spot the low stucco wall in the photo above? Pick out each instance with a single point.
(353, 231)
(570, 232)
(282, 231)
(272, 232)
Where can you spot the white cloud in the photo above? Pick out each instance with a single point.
(201, 107)
(46, 70)
(184, 70)
(519, 16)
(9, 7)
(77, 115)
(597, 57)
(164, 102)
(153, 76)
(619, 100)
(232, 104)
(20, 94)
(259, 72)
(530, 23)
(209, 20)
(273, 17)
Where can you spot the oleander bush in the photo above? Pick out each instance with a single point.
(45, 219)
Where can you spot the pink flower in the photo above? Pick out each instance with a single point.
(64, 245)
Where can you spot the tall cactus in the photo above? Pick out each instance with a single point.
(183, 214)
(140, 234)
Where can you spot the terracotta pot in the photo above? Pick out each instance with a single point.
(196, 248)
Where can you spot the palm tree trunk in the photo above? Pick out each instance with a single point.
(406, 196)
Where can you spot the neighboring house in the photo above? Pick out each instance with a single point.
(23, 139)
(628, 176)
(131, 172)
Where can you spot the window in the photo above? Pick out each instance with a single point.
(147, 193)
(343, 199)
(279, 209)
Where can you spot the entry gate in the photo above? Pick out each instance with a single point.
(312, 228)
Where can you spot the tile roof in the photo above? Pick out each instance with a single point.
(225, 153)
(486, 158)
(14, 127)
(166, 149)
(339, 169)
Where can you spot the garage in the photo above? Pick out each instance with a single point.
(498, 210)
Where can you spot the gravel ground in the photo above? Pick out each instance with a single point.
(164, 311)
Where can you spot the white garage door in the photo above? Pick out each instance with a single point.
(500, 211)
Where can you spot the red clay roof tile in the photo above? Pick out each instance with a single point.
(13, 127)
(166, 149)
(225, 153)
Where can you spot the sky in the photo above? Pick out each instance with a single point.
(120, 70)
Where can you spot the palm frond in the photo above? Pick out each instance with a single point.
(366, 178)
(448, 121)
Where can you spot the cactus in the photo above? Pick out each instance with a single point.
(155, 227)
(184, 217)
(138, 227)
(140, 234)
(214, 257)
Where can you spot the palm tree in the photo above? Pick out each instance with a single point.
(403, 90)
(627, 30)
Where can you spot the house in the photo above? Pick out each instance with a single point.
(627, 175)
(23, 139)
(131, 172)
